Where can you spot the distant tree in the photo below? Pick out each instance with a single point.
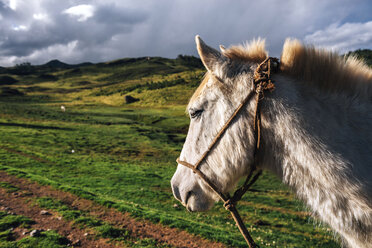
(8, 91)
(24, 68)
(24, 64)
(190, 61)
(4, 80)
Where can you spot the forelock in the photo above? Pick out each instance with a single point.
(253, 51)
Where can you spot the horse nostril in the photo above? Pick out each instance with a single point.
(188, 195)
(189, 209)
(176, 193)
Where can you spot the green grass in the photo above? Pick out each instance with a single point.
(9, 188)
(48, 239)
(82, 219)
(8, 221)
(7, 239)
(124, 154)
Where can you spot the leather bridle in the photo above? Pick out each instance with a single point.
(262, 82)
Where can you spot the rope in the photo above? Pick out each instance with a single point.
(262, 82)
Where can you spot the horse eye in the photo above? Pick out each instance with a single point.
(196, 113)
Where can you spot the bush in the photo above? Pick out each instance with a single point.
(130, 99)
(48, 77)
(7, 91)
(6, 80)
(23, 69)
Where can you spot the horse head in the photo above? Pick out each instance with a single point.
(227, 82)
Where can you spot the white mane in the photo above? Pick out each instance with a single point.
(318, 67)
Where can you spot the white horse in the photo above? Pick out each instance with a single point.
(316, 132)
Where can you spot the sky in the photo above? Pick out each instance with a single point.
(76, 31)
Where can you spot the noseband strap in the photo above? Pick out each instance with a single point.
(262, 82)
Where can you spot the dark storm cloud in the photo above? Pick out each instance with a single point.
(5, 11)
(23, 36)
(111, 14)
(97, 30)
(173, 24)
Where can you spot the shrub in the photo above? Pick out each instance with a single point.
(6, 80)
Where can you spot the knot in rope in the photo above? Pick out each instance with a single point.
(262, 75)
(229, 204)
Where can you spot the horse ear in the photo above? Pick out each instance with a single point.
(223, 49)
(211, 58)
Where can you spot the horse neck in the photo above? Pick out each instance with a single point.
(317, 131)
(307, 140)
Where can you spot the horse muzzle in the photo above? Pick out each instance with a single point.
(187, 190)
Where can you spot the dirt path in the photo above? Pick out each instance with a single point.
(139, 229)
(19, 203)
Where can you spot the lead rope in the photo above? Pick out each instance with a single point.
(262, 82)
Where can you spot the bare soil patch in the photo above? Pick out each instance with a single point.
(19, 203)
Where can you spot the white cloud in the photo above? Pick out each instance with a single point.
(40, 16)
(343, 38)
(63, 52)
(67, 50)
(8, 61)
(20, 28)
(13, 4)
(83, 11)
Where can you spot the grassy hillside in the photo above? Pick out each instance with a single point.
(123, 154)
